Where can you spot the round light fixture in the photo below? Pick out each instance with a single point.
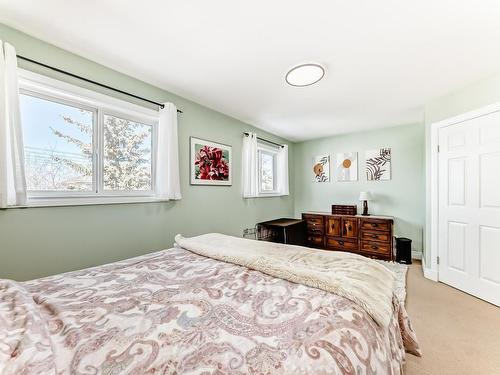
(305, 75)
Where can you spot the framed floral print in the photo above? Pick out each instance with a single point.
(210, 163)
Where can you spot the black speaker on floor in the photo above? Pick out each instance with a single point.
(403, 250)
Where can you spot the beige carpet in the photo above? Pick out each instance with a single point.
(459, 334)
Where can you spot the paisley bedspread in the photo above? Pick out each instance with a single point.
(175, 312)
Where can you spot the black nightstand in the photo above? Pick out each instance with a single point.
(286, 231)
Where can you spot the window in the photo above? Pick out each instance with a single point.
(267, 176)
(58, 145)
(79, 144)
(127, 154)
(264, 167)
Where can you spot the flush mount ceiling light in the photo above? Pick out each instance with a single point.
(305, 75)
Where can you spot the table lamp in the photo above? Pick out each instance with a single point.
(365, 196)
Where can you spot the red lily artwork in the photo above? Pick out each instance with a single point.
(210, 163)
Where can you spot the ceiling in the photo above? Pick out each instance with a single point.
(384, 59)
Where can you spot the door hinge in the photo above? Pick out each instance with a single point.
(437, 260)
(438, 148)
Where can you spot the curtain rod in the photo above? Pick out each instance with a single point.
(91, 81)
(265, 140)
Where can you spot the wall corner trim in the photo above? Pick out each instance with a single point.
(429, 273)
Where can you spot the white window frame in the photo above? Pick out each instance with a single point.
(264, 148)
(46, 88)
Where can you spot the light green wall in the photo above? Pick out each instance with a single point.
(40, 241)
(401, 197)
(476, 95)
(468, 98)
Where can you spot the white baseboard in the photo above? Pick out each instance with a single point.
(415, 254)
(428, 272)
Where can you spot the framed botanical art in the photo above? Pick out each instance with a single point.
(346, 166)
(321, 168)
(378, 164)
(210, 163)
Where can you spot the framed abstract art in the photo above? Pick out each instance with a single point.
(378, 164)
(321, 168)
(210, 163)
(346, 166)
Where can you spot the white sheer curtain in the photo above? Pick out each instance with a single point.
(168, 184)
(250, 170)
(12, 174)
(282, 183)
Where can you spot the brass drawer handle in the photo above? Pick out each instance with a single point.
(374, 224)
(341, 242)
(374, 236)
(374, 247)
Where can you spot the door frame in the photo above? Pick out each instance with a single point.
(431, 271)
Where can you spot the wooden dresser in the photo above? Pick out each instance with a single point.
(371, 236)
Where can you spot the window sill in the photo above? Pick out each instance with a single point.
(269, 195)
(48, 202)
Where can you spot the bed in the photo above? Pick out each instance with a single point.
(190, 310)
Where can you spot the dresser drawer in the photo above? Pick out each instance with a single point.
(315, 224)
(350, 227)
(341, 244)
(376, 224)
(376, 248)
(375, 236)
(314, 241)
(333, 225)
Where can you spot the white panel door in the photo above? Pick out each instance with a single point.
(469, 206)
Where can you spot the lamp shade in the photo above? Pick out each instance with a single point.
(365, 196)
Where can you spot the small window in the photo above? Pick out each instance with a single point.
(267, 170)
